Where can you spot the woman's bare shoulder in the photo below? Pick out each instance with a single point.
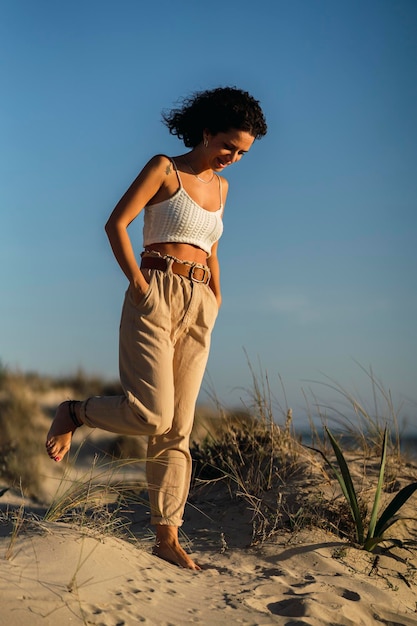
(160, 161)
(158, 166)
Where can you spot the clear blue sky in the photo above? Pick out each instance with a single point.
(320, 245)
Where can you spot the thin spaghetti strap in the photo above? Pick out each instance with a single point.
(220, 190)
(176, 171)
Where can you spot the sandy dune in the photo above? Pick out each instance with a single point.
(55, 573)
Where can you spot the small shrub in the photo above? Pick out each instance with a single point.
(252, 458)
(20, 444)
(245, 452)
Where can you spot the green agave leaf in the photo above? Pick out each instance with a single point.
(374, 513)
(346, 484)
(334, 470)
(395, 504)
(393, 520)
(370, 544)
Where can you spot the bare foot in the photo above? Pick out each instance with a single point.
(58, 440)
(167, 547)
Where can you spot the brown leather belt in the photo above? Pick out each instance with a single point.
(193, 271)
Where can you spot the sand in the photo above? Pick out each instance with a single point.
(66, 577)
(59, 573)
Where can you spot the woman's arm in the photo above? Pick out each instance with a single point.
(213, 261)
(213, 264)
(144, 187)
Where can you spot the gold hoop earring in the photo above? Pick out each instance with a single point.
(205, 142)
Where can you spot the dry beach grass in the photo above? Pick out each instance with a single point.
(266, 519)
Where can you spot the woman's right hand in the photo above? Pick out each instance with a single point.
(138, 287)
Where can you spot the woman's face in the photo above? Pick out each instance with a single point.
(223, 149)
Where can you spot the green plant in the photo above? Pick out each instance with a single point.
(98, 499)
(376, 527)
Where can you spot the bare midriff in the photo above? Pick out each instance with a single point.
(182, 251)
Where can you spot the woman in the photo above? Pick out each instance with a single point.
(172, 300)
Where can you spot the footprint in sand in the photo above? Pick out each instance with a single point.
(350, 595)
(288, 608)
(308, 580)
(301, 595)
(299, 606)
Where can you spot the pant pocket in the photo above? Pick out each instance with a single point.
(139, 304)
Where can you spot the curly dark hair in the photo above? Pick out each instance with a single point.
(217, 110)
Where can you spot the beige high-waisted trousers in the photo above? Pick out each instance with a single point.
(164, 346)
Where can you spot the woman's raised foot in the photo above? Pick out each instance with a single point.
(66, 421)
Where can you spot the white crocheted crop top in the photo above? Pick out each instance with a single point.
(181, 220)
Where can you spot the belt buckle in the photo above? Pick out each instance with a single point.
(206, 274)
